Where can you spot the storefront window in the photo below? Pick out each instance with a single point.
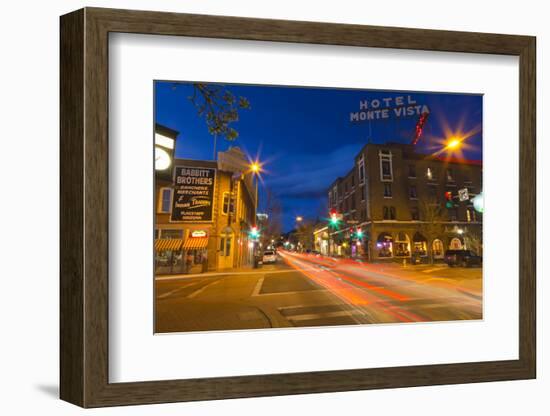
(455, 244)
(384, 245)
(168, 251)
(437, 248)
(420, 248)
(171, 234)
(402, 245)
(420, 245)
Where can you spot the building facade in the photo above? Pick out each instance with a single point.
(204, 215)
(395, 203)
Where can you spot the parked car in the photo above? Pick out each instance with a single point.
(269, 257)
(463, 258)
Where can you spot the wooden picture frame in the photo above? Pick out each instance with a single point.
(84, 207)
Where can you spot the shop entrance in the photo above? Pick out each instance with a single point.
(225, 252)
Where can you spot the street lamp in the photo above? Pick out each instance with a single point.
(299, 218)
(454, 143)
(478, 202)
(256, 169)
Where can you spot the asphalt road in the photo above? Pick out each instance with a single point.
(303, 290)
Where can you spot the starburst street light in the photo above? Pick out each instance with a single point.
(454, 143)
(255, 167)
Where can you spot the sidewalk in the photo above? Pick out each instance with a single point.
(225, 272)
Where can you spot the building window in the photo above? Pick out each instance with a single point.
(415, 214)
(352, 180)
(387, 190)
(437, 248)
(432, 192)
(225, 204)
(470, 214)
(388, 213)
(453, 214)
(430, 174)
(412, 171)
(412, 192)
(174, 234)
(455, 244)
(165, 200)
(361, 170)
(386, 172)
(362, 193)
(449, 175)
(384, 245)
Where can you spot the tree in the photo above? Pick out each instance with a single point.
(219, 107)
(304, 234)
(432, 217)
(473, 240)
(274, 211)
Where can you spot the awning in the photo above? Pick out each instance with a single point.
(173, 244)
(194, 243)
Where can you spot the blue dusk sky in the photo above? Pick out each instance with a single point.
(305, 136)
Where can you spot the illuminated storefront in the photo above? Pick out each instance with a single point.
(204, 213)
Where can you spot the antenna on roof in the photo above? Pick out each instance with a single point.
(369, 139)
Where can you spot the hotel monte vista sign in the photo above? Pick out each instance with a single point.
(193, 194)
(389, 107)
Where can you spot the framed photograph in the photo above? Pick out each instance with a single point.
(256, 207)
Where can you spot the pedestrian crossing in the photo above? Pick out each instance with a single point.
(325, 314)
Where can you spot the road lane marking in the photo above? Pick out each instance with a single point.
(202, 289)
(172, 292)
(296, 292)
(313, 316)
(258, 286)
(189, 276)
(434, 269)
(470, 294)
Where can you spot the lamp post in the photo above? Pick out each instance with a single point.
(256, 168)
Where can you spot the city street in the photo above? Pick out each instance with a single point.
(303, 290)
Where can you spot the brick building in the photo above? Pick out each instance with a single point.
(405, 203)
(191, 244)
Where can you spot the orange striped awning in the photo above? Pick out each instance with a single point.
(173, 244)
(193, 243)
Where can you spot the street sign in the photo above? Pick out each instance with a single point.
(353, 222)
(463, 194)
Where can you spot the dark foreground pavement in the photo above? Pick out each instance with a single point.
(303, 290)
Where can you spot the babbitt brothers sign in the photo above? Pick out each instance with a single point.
(193, 194)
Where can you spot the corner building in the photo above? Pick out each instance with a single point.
(219, 242)
(406, 204)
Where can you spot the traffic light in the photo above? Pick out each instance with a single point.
(449, 199)
(359, 232)
(333, 217)
(254, 232)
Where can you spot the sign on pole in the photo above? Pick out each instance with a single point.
(193, 194)
(463, 195)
